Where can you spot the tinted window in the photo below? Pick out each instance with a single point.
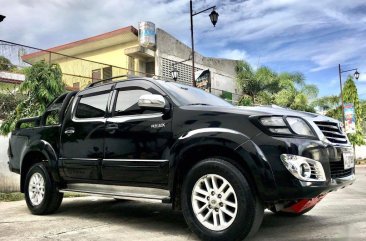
(188, 95)
(52, 118)
(127, 102)
(92, 106)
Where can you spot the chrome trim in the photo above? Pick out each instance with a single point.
(77, 158)
(135, 160)
(114, 191)
(152, 101)
(121, 119)
(69, 132)
(206, 130)
(112, 100)
(75, 119)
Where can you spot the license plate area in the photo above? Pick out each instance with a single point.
(348, 160)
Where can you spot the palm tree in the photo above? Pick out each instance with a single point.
(253, 82)
(265, 86)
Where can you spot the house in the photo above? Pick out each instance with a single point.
(10, 81)
(123, 52)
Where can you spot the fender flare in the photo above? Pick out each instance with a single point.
(254, 160)
(46, 149)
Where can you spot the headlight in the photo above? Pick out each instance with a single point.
(299, 126)
(286, 125)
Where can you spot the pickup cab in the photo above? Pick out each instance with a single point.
(143, 138)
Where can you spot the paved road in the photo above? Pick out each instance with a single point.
(340, 216)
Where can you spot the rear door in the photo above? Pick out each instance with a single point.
(82, 135)
(136, 140)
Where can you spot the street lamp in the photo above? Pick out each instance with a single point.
(356, 75)
(2, 17)
(213, 17)
(174, 74)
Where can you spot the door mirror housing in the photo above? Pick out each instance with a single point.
(152, 102)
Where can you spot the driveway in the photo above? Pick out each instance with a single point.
(340, 216)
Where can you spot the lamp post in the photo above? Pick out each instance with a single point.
(2, 17)
(175, 72)
(356, 75)
(213, 17)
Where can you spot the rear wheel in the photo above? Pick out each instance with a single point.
(41, 193)
(218, 203)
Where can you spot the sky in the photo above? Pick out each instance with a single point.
(310, 36)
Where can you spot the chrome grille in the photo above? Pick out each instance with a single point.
(332, 132)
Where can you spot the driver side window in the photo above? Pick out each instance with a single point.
(127, 102)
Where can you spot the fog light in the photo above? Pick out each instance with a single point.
(304, 169)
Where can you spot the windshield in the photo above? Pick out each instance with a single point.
(187, 95)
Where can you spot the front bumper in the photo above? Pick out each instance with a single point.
(329, 155)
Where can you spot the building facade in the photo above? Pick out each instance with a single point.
(121, 52)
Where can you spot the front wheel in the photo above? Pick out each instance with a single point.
(41, 193)
(218, 203)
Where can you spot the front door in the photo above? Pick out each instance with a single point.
(82, 136)
(135, 139)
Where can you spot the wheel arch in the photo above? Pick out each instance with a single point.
(236, 149)
(40, 151)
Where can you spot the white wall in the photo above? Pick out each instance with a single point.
(360, 151)
(9, 181)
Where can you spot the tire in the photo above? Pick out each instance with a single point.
(245, 216)
(42, 183)
(288, 214)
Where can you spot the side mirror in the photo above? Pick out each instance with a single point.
(155, 102)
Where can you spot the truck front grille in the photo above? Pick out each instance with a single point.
(332, 132)
(337, 170)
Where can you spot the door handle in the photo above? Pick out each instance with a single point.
(69, 131)
(111, 127)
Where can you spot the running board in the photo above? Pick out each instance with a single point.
(122, 192)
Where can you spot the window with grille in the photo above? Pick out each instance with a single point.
(96, 75)
(185, 71)
(107, 72)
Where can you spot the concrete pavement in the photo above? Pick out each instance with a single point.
(339, 216)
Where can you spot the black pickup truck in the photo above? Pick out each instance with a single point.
(143, 138)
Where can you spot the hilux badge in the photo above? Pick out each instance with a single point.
(159, 125)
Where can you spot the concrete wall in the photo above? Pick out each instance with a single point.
(9, 181)
(360, 152)
(113, 55)
(222, 70)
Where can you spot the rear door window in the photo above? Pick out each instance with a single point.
(92, 106)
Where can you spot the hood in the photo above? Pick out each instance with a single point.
(264, 110)
(277, 110)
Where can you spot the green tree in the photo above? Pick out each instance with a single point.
(43, 83)
(252, 82)
(265, 86)
(6, 65)
(8, 102)
(350, 95)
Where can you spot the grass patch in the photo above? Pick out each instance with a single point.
(12, 196)
(17, 196)
(72, 194)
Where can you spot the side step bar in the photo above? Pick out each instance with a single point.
(122, 192)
